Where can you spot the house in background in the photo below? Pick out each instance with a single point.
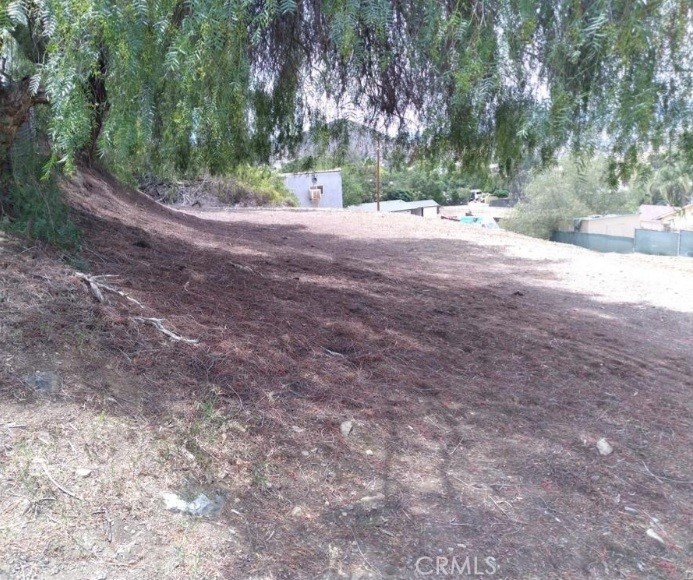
(607, 225)
(655, 229)
(316, 189)
(662, 218)
(423, 208)
(665, 218)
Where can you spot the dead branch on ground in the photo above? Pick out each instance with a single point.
(96, 284)
(55, 483)
(158, 324)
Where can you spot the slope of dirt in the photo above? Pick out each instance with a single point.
(478, 371)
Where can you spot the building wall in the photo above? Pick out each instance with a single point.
(331, 182)
(683, 220)
(653, 225)
(620, 225)
(680, 219)
(419, 211)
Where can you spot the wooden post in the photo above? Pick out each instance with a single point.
(377, 176)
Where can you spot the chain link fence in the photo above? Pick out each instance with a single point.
(645, 242)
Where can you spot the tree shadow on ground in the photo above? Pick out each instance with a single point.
(476, 392)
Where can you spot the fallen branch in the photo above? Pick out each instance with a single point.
(93, 286)
(56, 484)
(506, 514)
(659, 478)
(333, 353)
(246, 269)
(96, 284)
(158, 324)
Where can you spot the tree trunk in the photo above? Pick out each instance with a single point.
(96, 91)
(15, 103)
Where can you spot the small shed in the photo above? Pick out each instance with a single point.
(423, 208)
(316, 189)
(608, 225)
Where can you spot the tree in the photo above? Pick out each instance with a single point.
(184, 85)
(572, 189)
(672, 183)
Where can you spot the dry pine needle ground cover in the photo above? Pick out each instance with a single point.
(478, 370)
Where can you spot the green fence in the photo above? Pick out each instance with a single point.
(645, 242)
(686, 244)
(596, 242)
(664, 243)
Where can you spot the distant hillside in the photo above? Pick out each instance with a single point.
(345, 141)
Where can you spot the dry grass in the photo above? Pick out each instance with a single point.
(479, 370)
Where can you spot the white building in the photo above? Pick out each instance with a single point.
(424, 208)
(316, 188)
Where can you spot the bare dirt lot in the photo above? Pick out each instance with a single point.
(478, 370)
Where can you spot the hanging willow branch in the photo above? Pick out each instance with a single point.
(193, 86)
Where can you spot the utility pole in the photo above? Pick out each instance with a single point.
(377, 176)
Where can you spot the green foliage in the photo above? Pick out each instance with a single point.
(36, 207)
(572, 189)
(672, 184)
(358, 183)
(251, 186)
(416, 181)
(195, 87)
(423, 180)
(668, 179)
(460, 196)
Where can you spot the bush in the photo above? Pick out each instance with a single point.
(570, 190)
(249, 186)
(465, 196)
(34, 204)
(253, 186)
(358, 183)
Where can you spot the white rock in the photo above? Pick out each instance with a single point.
(346, 428)
(654, 535)
(603, 447)
(174, 503)
(83, 472)
(200, 506)
(371, 502)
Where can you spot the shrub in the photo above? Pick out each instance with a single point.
(35, 205)
(248, 186)
(569, 190)
(254, 186)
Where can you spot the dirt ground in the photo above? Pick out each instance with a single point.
(478, 370)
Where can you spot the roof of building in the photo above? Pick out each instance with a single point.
(316, 172)
(655, 212)
(608, 216)
(418, 204)
(395, 205)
